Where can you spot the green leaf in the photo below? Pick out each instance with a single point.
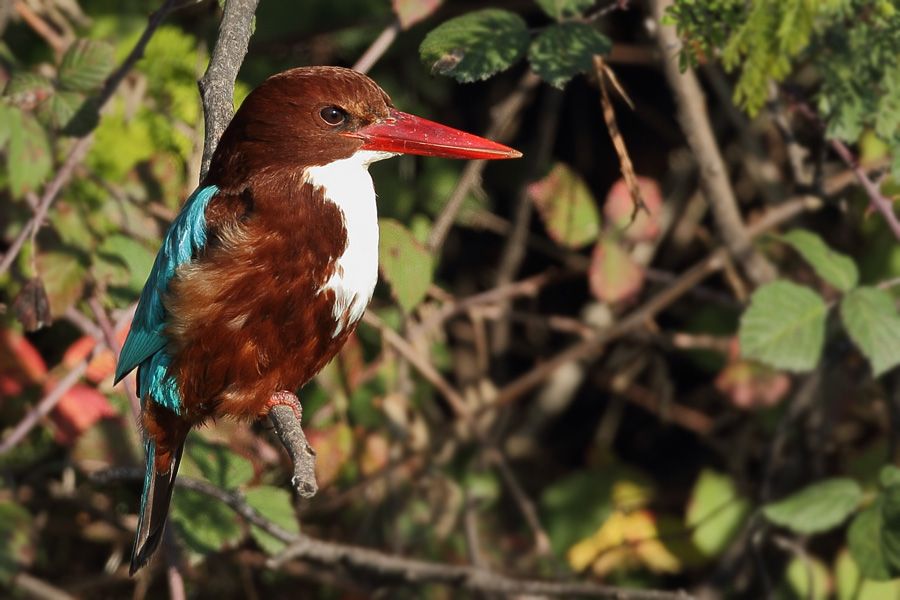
(851, 586)
(29, 157)
(123, 261)
(716, 512)
(566, 207)
(476, 45)
(205, 525)
(16, 539)
(57, 112)
(28, 90)
(64, 278)
(275, 505)
(613, 274)
(406, 264)
(864, 540)
(873, 324)
(817, 507)
(562, 51)
(784, 326)
(559, 9)
(807, 578)
(837, 269)
(86, 65)
(216, 463)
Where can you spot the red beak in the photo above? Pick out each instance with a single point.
(407, 134)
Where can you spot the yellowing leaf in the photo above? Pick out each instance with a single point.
(406, 264)
(613, 274)
(625, 541)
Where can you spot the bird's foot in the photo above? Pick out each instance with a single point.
(285, 398)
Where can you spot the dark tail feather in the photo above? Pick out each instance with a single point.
(155, 501)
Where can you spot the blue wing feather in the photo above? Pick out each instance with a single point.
(145, 346)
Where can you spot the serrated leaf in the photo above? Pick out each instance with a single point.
(476, 45)
(716, 512)
(873, 324)
(86, 65)
(559, 9)
(817, 507)
(57, 112)
(29, 157)
(216, 463)
(205, 525)
(9, 118)
(564, 50)
(28, 91)
(566, 207)
(613, 274)
(784, 326)
(837, 269)
(275, 505)
(64, 278)
(406, 264)
(410, 12)
(864, 540)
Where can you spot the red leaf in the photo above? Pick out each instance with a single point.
(78, 410)
(333, 446)
(749, 384)
(19, 359)
(410, 12)
(101, 366)
(619, 207)
(613, 274)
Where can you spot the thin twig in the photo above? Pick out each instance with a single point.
(40, 27)
(375, 51)
(502, 116)
(878, 200)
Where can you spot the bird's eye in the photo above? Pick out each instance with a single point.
(333, 115)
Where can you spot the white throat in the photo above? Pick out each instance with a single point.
(347, 184)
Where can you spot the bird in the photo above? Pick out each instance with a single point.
(269, 265)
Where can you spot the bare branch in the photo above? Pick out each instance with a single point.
(713, 175)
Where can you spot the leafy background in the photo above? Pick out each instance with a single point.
(737, 437)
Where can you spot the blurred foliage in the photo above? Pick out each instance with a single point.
(734, 417)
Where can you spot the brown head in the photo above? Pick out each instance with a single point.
(312, 116)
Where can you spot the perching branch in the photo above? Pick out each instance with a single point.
(217, 92)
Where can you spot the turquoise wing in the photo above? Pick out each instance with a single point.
(145, 346)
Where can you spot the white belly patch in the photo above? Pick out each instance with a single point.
(347, 184)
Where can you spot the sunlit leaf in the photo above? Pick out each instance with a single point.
(406, 264)
(475, 45)
(850, 584)
(64, 279)
(562, 51)
(807, 578)
(837, 269)
(205, 525)
(864, 540)
(817, 507)
(78, 410)
(716, 512)
(333, 446)
(784, 326)
(29, 156)
(86, 65)
(566, 206)
(873, 324)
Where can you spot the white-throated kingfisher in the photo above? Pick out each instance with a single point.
(270, 264)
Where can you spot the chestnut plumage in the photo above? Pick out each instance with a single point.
(271, 262)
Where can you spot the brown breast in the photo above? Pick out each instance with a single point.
(249, 317)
